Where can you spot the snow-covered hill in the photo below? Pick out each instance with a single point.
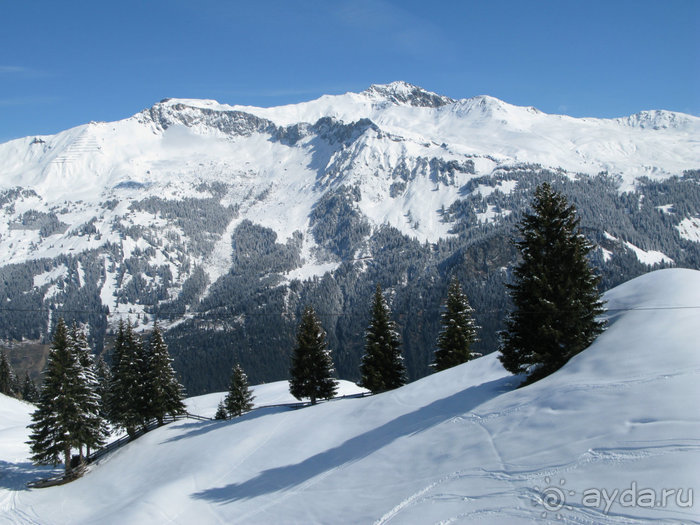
(614, 433)
(276, 393)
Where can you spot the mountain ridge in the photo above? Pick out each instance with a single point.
(226, 218)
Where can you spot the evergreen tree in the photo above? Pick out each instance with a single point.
(93, 430)
(240, 397)
(114, 389)
(104, 377)
(221, 411)
(7, 377)
(127, 396)
(382, 366)
(311, 373)
(58, 417)
(29, 390)
(163, 391)
(554, 293)
(458, 330)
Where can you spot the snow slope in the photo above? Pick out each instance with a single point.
(267, 394)
(459, 446)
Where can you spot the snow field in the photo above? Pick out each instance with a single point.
(460, 446)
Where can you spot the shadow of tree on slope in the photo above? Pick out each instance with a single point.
(358, 447)
(203, 427)
(15, 476)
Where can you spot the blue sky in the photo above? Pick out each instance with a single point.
(67, 63)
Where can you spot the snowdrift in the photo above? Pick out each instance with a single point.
(620, 421)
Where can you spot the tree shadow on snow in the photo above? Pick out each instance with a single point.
(358, 447)
(15, 476)
(203, 427)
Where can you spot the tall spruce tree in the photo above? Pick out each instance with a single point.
(555, 295)
(458, 332)
(240, 397)
(127, 396)
(58, 417)
(382, 366)
(104, 377)
(163, 391)
(114, 396)
(311, 373)
(93, 430)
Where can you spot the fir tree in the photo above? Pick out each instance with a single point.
(221, 411)
(555, 296)
(58, 417)
(382, 366)
(93, 430)
(7, 377)
(240, 397)
(29, 390)
(458, 330)
(163, 391)
(311, 373)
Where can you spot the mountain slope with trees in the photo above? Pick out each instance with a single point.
(458, 445)
(223, 222)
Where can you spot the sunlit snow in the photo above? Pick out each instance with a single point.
(460, 446)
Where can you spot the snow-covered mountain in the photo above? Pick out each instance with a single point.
(611, 438)
(192, 203)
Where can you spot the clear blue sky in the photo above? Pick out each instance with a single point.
(70, 62)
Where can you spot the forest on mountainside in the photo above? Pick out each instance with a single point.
(250, 313)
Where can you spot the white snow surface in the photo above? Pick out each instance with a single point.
(265, 395)
(649, 257)
(689, 229)
(459, 446)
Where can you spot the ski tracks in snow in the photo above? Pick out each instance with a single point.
(14, 515)
(521, 490)
(418, 496)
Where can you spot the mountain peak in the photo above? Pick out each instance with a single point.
(661, 119)
(403, 93)
(201, 103)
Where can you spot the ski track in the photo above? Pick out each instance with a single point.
(516, 478)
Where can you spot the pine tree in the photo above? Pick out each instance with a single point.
(458, 330)
(554, 293)
(221, 412)
(29, 390)
(8, 382)
(311, 373)
(240, 397)
(382, 366)
(57, 419)
(163, 391)
(93, 430)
